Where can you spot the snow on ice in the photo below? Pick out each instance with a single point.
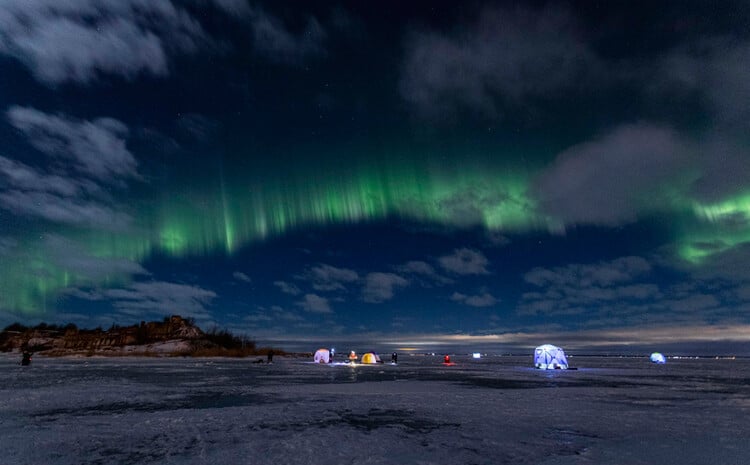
(489, 411)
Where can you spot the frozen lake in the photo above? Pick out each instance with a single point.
(490, 411)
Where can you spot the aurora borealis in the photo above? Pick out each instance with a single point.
(437, 171)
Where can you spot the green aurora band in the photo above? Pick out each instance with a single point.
(224, 216)
(724, 227)
(195, 220)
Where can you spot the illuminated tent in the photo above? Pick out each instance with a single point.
(370, 357)
(322, 356)
(549, 357)
(656, 357)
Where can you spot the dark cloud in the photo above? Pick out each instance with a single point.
(72, 256)
(484, 299)
(156, 298)
(238, 8)
(589, 288)
(601, 274)
(329, 278)
(695, 303)
(287, 288)
(96, 148)
(716, 69)
(625, 292)
(417, 267)
(465, 262)
(506, 55)
(240, 276)
(496, 238)
(7, 244)
(379, 287)
(725, 262)
(197, 127)
(272, 315)
(723, 168)
(423, 273)
(276, 42)
(612, 179)
(314, 303)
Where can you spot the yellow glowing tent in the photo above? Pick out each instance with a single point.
(370, 357)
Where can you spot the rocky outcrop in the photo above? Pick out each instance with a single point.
(69, 339)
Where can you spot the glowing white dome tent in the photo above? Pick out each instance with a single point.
(322, 356)
(656, 357)
(549, 357)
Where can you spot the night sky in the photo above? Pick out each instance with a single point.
(403, 173)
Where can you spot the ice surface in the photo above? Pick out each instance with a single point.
(489, 411)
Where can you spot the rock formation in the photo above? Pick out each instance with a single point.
(69, 339)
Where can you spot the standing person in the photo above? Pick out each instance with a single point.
(270, 356)
(26, 358)
(394, 358)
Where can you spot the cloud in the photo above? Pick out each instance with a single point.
(482, 300)
(63, 210)
(610, 180)
(329, 278)
(28, 192)
(72, 257)
(468, 207)
(275, 313)
(496, 238)
(7, 244)
(240, 276)
(714, 67)
(633, 336)
(287, 288)
(600, 274)
(465, 262)
(88, 158)
(379, 287)
(20, 176)
(96, 148)
(422, 273)
(238, 8)
(155, 298)
(613, 288)
(80, 41)
(198, 127)
(417, 267)
(722, 169)
(725, 263)
(274, 41)
(315, 304)
(507, 55)
(85, 40)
